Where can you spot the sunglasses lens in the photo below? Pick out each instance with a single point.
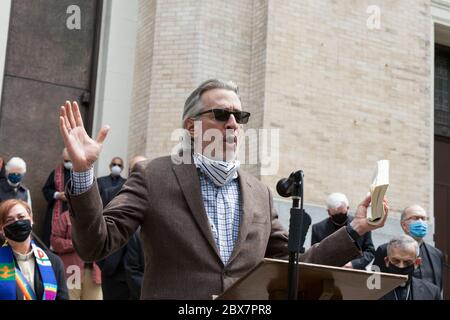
(223, 115)
(242, 117)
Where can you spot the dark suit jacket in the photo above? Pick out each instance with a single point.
(107, 182)
(134, 266)
(436, 259)
(58, 268)
(420, 290)
(114, 279)
(324, 228)
(181, 257)
(7, 192)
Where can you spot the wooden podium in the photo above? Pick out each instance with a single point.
(268, 281)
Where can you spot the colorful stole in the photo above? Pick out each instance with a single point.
(11, 278)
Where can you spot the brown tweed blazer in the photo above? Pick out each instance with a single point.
(181, 257)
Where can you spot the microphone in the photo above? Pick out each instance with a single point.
(285, 185)
(298, 226)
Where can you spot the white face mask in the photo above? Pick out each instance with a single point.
(116, 170)
(68, 165)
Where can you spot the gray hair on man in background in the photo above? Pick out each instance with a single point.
(336, 200)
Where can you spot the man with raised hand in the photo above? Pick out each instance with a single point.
(205, 223)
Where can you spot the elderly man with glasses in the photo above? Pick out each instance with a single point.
(403, 258)
(205, 223)
(414, 222)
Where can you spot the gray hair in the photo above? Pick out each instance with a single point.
(405, 211)
(16, 162)
(193, 104)
(336, 199)
(404, 242)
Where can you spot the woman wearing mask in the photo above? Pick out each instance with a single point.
(26, 271)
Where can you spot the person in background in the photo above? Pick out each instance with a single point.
(53, 191)
(338, 217)
(114, 179)
(403, 258)
(134, 265)
(414, 222)
(27, 272)
(122, 271)
(12, 187)
(89, 286)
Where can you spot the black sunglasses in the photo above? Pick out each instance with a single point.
(223, 115)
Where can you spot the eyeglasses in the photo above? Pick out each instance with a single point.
(415, 218)
(223, 115)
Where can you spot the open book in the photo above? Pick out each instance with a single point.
(380, 183)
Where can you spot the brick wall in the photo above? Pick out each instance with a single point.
(342, 95)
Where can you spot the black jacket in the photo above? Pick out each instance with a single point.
(48, 191)
(114, 281)
(435, 268)
(8, 192)
(107, 182)
(420, 290)
(58, 268)
(134, 265)
(326, 227)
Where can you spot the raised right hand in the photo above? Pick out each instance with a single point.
(82, 149)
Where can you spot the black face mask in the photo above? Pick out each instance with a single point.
(406, 271)
(339, 219)
(18, 231)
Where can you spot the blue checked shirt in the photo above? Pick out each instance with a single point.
(222, 206)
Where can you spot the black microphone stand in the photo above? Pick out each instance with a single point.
(293, 187)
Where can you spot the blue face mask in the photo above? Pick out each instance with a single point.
(15, 178)
(418, 229)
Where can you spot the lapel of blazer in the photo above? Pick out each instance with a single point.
(248, 204)
(190, 185)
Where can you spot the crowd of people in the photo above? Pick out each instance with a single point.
(201, 224)
(119, 276)
(405, 254)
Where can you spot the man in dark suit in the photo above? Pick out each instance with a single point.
(204, 222)
(53, 192)
(122, 271)
(114, 179)
(402, 258)
(337, 208)
(414, 223)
